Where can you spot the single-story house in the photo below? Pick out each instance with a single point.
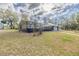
(1, 24)
(28, 26)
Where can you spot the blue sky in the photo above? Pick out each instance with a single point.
(67, 11)
(60, 9)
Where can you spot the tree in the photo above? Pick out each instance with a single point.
(72, 23)
(77, 20)
(2, 16)
(37, 25)
(40, 25)
(11, 18)
(24, 21)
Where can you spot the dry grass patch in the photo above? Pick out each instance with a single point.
(49, 43)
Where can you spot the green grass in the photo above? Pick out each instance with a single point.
(13, 42)
(67, 38)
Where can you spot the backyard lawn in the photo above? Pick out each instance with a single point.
(51, 43)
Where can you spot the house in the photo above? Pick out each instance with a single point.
(1, 25)
(29, 26)
(50, 27)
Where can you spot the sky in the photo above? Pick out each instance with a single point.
(48, 7)
(57, 10)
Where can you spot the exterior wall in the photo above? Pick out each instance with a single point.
(1, 25)
(24, 26)
(55, 28)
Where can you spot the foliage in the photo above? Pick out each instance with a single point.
(9, 17)
(72, 23)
